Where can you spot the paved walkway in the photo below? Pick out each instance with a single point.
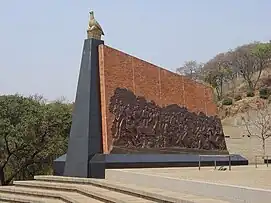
(247, 176)
(242, 184)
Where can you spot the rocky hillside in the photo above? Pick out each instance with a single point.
(241, 101)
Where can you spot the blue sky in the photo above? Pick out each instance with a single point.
(41, 41)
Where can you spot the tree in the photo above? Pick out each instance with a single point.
(218, 71)
(32, 135)
(190, 69)
(259, 126)
(262, 52)
(251, 59)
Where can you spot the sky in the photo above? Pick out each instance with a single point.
(41, 41)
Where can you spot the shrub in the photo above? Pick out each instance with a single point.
(237, 97)
(264, 93)
(250, 94)
(227, 101)
(267, 81)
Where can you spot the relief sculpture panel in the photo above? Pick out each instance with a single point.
(143, 124)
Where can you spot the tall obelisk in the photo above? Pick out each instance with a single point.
(85, 137)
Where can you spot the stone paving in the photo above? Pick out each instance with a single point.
(241, 184)
(247, 176)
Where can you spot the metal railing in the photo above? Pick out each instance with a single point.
(263, 157)
(215, 162)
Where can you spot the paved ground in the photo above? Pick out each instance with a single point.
(241, 184)
(247, 176)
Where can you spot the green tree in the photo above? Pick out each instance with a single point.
(32, 134)
(250, 60)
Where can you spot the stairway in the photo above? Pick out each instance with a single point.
(56, 189)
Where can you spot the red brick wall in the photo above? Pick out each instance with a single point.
(118, 69)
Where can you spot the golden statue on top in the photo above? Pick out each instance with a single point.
(94, 31)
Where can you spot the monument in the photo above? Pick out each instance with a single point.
(130, 113)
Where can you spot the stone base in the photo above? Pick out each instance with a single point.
(96, 166)
(99, 162)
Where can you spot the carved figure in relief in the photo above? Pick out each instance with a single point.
(139, 123)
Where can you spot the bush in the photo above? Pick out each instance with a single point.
(237, 97)
(264, 93)
(250, 94)
(267, 81)
(227, 101)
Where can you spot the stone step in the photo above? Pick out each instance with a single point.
(69, 197)
(17, 198)
(154, 194)
(118, 187)
(99, 193)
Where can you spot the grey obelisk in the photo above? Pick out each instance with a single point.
(85, 137)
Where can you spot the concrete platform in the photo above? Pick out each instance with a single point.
(241, 184)
(245, 176)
